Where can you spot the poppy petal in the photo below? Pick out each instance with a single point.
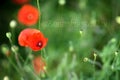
(32, 38)
(38, 64)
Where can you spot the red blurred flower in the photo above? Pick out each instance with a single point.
(32, 38)
(38, 64)
(20, 1)
(28, 15)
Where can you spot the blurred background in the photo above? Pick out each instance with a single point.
(83, 40)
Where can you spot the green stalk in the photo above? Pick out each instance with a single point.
(9, 35)
(38, 6)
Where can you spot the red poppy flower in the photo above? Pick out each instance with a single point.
(28, 15)
(38, 64)
(20, 1)
(32, 38)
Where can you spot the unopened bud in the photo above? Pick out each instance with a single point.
(8, 35)
(85, 59)
(13, 23)
(6, 78)
(62, 2)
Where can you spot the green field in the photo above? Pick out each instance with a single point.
(83, 40)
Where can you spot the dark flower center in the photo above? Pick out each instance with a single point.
(39, 44)
(30, 16)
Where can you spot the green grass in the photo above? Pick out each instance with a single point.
(75, 31)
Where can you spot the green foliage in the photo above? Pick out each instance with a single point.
(83, 41)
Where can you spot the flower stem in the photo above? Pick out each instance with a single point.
(95, 55)
(43, 53)
(117, 75)
(16, 57)
(27, 59)
(9, 35)
(38, 6)
(13, 65)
